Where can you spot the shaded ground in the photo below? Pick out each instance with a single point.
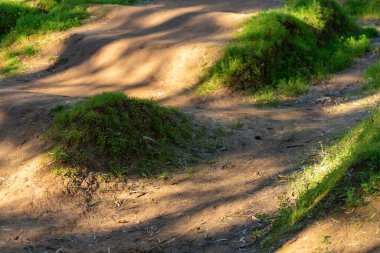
(156, 51)
(341, 230)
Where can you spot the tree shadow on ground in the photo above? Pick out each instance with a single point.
(137, 47)
(178, 227)
(268, 145)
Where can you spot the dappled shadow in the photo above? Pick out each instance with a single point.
(134, 48)
(212, 210)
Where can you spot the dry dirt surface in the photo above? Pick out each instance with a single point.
(157, 51)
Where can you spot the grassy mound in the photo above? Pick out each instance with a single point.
(358, 151)
(113, 133)
(279, 52)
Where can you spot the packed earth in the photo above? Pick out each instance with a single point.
(226, 200)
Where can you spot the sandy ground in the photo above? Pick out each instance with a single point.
(157, 51)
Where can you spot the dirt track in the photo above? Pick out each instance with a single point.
(157, 51)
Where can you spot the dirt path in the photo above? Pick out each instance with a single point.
(155, 51)
(148, 51)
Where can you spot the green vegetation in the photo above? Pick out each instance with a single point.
(10, 13)
(21, 19)
(278, 53)
(365, 9)
(357, 152)
(372, 76)
(113, 133)
(327, 17)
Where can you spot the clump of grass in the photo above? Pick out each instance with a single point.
(13, 58)
(362, 181)
(372, 76)
(358, 148)
(278, 53)
(113, 133)
(11, 65)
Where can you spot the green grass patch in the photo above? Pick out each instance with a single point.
(278, 53)
(365, 9)
(372, 77)
(328, 18)
(21, 19)
(356, 153)
(10, 12)
(112, 133)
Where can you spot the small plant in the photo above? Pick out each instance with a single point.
(29, 50)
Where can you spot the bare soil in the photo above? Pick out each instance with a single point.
(158, 51)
